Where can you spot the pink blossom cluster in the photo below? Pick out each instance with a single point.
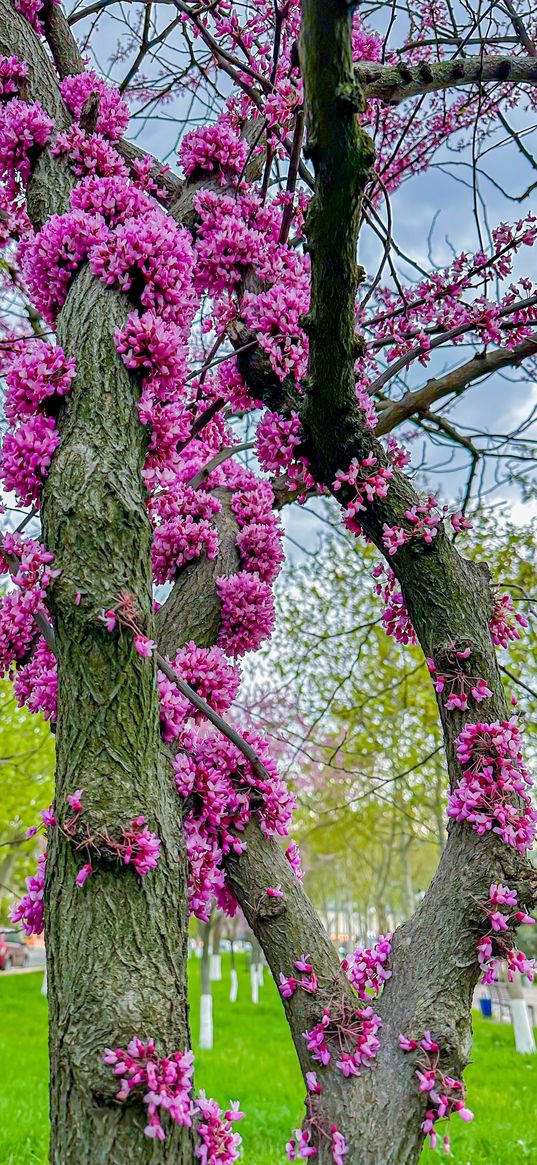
(300, 1147)
(367, 967)
(226, 792)
(29, 564)
(367, 480)
(278, 441)
(166, 1082)
(446, 299)
(235, 232)
(30, 910)
(165, 1086)
(259, 540)
(247, 612)
(216, 1143)
(36, 372)
(395, 618)
(459, 685)
(26, 455)
(12, 75)
(152, 257)
(275, 318)
(137, 845)
(348, 1033)
(24, 129)
(183, 530)
(503, 624)
(214, 149)
(493, 791)
(497, 945)
(31, 9)
(140, 847)
(209, 673)
(35, 684)
(112, 110)
(290, 983)
(51, 258)
(425, 519)
(444, 1094)
(88, 153)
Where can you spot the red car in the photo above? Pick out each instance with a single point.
(13, 952)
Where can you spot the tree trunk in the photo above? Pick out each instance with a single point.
(116, 947)
(206, 997)
(234, 986)
(520, 1015)
(216, 957)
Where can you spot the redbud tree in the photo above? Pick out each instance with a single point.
(153, 311)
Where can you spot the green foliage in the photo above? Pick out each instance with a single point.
(253, 1060)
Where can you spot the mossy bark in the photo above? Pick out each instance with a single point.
(116, 947)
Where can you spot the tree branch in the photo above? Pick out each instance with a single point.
(393, 413)
(396, 83)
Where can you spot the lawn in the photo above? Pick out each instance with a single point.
(253, 1061)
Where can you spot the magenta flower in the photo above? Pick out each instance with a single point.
(75, 800)
(84, 874)
(144, 646)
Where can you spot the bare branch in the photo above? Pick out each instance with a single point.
(396, 83)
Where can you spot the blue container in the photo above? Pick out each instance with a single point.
(486, 1008)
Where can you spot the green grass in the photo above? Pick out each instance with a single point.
(253, 1061)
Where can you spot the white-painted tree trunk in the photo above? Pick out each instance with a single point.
(206, 1022)
(44, 983)
(215, 970)
(234, 988)
(254, 982)
(524, 1038)
(260, 975)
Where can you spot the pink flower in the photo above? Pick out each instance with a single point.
(407, 1045)
(339, 1146)
(524, 919)
(84, 873)
(292, 854)
(287, 986)
(502, 895)
(75, 800)
(465, 1114)
(144, 646)
(275, 892)
(498, 921)
(302, 964)
(428, 1044)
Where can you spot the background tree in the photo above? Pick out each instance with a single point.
(27, 760)
(143, 312)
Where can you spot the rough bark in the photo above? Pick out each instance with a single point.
(116, 948)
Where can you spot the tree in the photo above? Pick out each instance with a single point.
(143, 312)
